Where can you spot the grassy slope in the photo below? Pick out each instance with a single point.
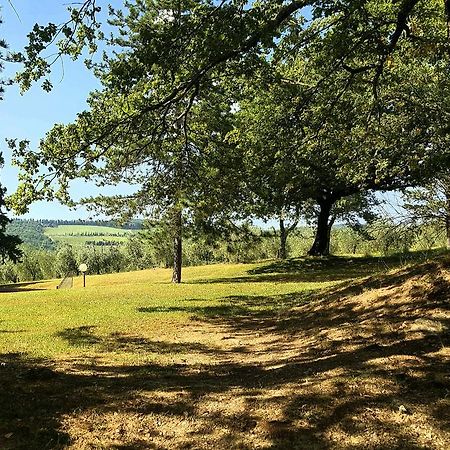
(306, 354)
(73, 234)
(40, 322)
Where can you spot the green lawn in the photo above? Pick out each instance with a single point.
(44, 323)
(310, 353)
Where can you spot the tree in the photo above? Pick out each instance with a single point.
(193, 39)
(341, 139)
(355, 211)
(430, 204)
(268, 173)
(147, 125)
(66, 261)
(30, 268)
(172, 157)
(9, 245)
(3, 46)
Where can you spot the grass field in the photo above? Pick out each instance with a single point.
(311, 353)
(80, 234)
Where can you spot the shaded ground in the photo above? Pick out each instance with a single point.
(363, 364)
(22, 287)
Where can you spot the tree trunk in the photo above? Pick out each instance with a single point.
(447, 228)
(329, 226)
(283, 238)
(177, 245)
(321, 245)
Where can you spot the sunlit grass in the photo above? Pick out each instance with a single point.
(37, 319)
(259, 353)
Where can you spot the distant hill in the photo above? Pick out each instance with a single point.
(132, 225)
(46, 234)
(83, 234)
(31, 232)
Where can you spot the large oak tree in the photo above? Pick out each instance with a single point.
(327, 136)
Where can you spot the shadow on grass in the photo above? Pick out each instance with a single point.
(347, 371)
(36, 399)
(84, 336)
(210, 311)
(21, 287)
(333, 268)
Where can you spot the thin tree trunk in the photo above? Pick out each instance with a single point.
(177, 245)
(321, 245)
(330, 226)
(283, 237)
(447, 223)
(447, 229)
(447, 214)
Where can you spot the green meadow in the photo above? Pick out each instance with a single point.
(309, 353)
(41, 321)
(81, 234)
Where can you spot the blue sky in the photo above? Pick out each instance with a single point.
(31, 115)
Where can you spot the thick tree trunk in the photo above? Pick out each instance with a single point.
(321, 245)
(283, 238)
(177, 245)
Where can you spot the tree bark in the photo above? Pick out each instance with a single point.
(444, 187)
(447, 230)
(329, 227)
(177, 245)
(283, 237)
(447, 212)
(321, 245)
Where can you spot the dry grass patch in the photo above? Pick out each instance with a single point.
(271, 364)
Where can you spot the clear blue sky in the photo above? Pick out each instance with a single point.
(31, 115)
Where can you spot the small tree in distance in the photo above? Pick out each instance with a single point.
(430, 204)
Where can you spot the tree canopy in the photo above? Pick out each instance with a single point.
(339, 98)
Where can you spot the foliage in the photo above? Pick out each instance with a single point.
(8, 243)
(66, 261)
(190, 41)
(430, 205)
(3, 46)
(319, 132)
(172, 157)
(331, 107)
(31, 232)
(152, 249)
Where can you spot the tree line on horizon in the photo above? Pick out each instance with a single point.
(151, 248)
